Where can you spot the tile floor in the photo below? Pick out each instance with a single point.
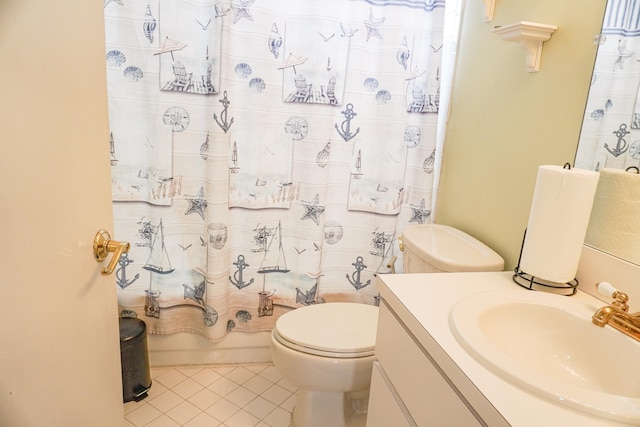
(214, 396)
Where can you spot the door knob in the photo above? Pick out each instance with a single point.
(102, 245)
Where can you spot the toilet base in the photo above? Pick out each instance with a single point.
(322, 409)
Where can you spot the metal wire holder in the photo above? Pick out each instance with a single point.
(534, 283)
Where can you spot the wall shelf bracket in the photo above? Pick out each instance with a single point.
(530, 35)
(489, 7)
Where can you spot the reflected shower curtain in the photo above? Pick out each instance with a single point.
(610, 136)
(266, 154)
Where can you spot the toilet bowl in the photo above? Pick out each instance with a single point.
(327, 352)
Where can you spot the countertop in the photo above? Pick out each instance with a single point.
(424, 301)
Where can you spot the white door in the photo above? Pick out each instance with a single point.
(59, 344)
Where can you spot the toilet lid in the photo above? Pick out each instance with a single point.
(338, 329)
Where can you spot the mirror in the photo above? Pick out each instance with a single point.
(616, 209)
(610, 135)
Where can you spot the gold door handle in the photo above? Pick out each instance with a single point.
(102, 245)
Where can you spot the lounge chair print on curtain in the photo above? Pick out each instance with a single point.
(423, 74)
(315, 68)
(190, 49)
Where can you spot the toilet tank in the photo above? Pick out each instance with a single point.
(436, 248)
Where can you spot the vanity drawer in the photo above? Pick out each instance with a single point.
(426, 393)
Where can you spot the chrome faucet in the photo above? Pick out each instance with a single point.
(617, 313)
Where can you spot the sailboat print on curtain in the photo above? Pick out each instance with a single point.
(112, 150)
(358, 166)
(233, 168)
(274, 261)
(158, 262)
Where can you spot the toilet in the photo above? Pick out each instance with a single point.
(327, 350)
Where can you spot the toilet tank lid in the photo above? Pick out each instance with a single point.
(450, 249)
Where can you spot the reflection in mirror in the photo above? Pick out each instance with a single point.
(610, 135)
(613, 227)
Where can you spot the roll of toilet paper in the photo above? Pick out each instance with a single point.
(614, 219)
(558, 221)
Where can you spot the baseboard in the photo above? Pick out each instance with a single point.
(191, 349)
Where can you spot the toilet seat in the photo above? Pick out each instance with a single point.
(339, 329)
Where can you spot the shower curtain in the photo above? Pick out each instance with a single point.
(610, 135)
(266, 154)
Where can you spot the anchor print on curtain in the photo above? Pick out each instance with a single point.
(244, 195)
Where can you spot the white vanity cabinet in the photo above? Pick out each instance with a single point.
(408, 388)
(423, 377)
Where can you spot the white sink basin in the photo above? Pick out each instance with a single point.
(546, 344)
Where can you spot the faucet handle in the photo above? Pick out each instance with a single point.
(620, 299)
(606, 289)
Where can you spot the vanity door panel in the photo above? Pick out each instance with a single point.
(385, 407)
(427, 393)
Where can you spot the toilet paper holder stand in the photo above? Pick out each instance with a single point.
(534, 283)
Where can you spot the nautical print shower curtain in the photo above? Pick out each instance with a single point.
(266, 154)
(610, 134)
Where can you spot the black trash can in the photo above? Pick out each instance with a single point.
(136, 377)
